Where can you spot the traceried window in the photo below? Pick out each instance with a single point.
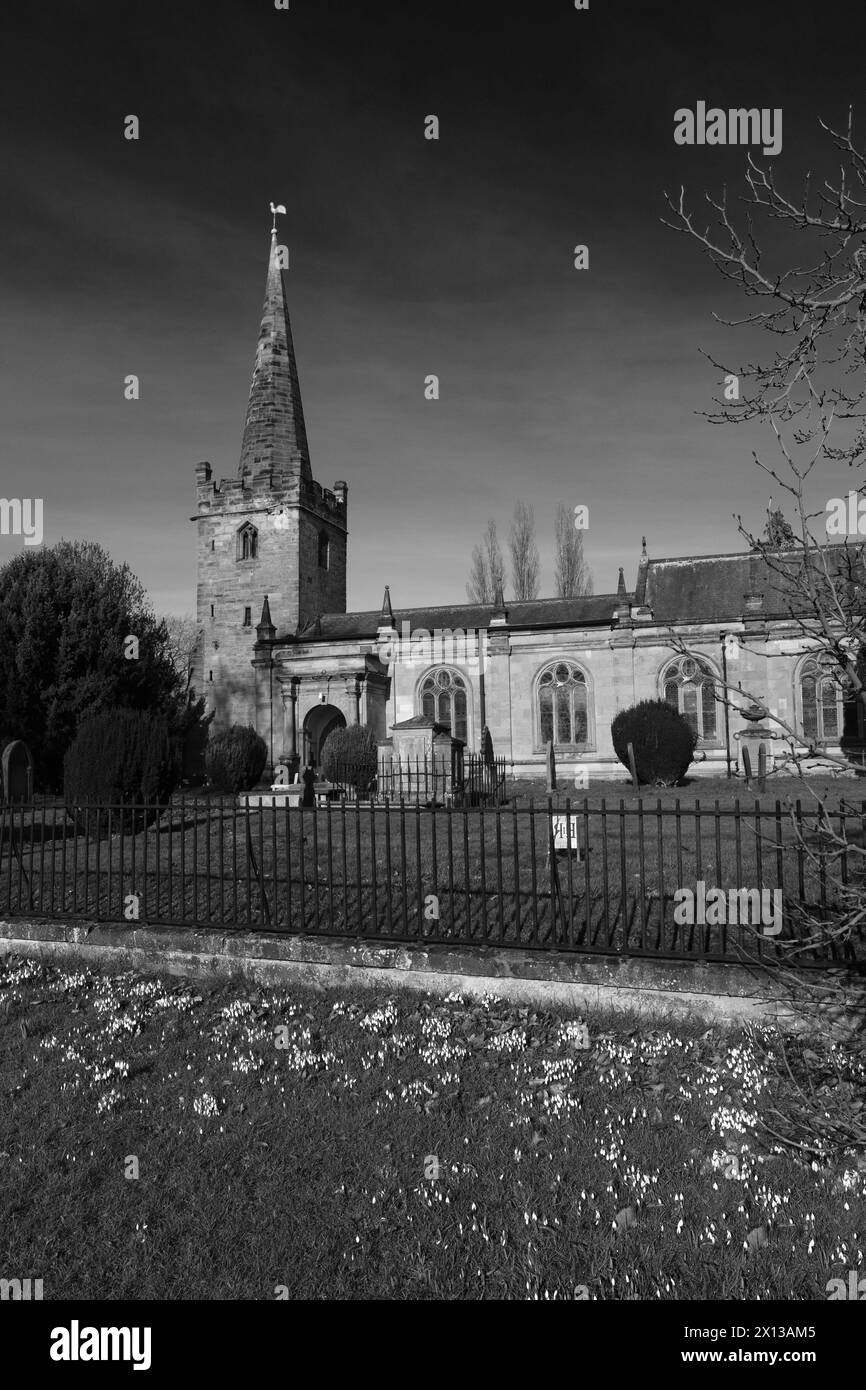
(821, 699)
(248, 542)
(442, 695)
(690, 686)
(563, 705)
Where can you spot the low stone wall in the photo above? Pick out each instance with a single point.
(723, 994)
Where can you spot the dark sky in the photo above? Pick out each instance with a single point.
(408, 257)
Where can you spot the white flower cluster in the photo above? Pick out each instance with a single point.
(380, 1020)
(108, 1100)
(513, 1040)
(575, 1033)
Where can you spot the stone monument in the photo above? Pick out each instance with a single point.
(17, 767)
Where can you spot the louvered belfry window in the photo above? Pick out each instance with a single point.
(248, 542)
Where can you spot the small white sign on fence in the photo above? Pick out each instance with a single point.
(561, 831)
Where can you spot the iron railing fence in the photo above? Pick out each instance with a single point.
(601, 879)
(471, 781)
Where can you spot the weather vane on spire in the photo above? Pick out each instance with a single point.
(275, 209)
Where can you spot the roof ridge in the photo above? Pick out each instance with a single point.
(742, 554)
(450, 607)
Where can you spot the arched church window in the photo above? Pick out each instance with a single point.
(821, 700)
(690, 687)
(442, 695)
(324, 551)
(248, 542)
(563, 705)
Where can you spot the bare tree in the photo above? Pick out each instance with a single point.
(812, 383)
(809, 387)
(478, 587)
(183, 637)
(487, 575)
(524, 553)
(495, 562)
(572, 573)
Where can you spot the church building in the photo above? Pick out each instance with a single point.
(278, 650)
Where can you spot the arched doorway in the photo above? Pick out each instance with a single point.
(319, 722)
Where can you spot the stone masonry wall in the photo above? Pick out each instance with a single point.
(288, 517)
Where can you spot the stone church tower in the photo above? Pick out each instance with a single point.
(271, 532)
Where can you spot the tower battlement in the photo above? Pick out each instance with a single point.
(267, 489)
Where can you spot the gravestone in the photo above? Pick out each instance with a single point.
(17, 764)
(308, 797)
(487, 747)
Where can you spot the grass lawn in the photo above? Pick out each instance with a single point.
(352, 1144)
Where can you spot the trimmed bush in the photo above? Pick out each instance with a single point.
(120, 758)
(350, 756)
(662, 739)
(235, 759)
(194, 729)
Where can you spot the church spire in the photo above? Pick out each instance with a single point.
(275, 436)
(265, 630)
(386, 615)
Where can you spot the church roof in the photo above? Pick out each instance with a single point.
(594, 610)
(713, 588)
(275, 435)
(688, 589)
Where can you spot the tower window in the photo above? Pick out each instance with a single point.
(248, 617)
(213, 545)
(324, 551)
(210, 675)
(211, 610)
(248, 542)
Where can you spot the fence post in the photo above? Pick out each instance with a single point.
(633, 768)
(557, 907)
